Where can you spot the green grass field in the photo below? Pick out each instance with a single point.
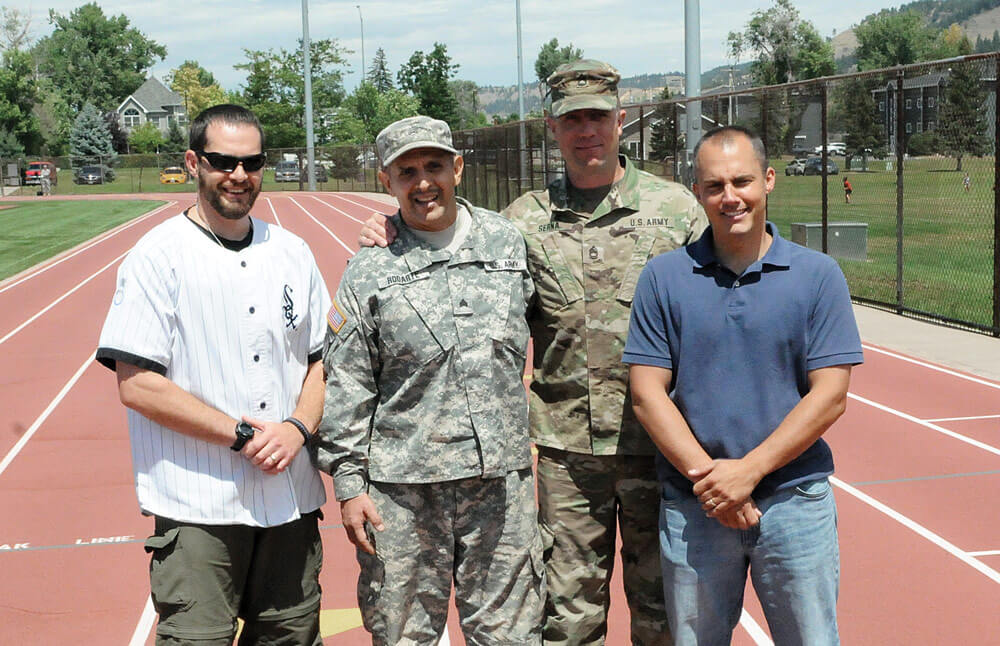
(947, 231)
(36, 231)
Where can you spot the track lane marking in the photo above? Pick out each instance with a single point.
(947, 546)
(273, 211)
(985, 553)
(934, 427)
(61, 298)
(93, 242)
(145, 625)
(924, 364)
(45, 414)
(962, 419)
(756, 633)
(344, 197)
(342, 212)
(332, 234)
(971, 474)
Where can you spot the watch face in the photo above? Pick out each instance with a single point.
(245, 430)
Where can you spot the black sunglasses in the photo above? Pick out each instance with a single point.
(228, 163)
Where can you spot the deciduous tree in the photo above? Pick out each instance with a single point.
(93, 58)
(551, 56)
(426, 77)
(366, 111)
(145, 138)
(198, 87)
(17, 98)
(892, 38)
(787, 48)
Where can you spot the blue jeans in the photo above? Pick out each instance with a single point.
(794, 562)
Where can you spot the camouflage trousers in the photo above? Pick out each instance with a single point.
(582, 500)
(481, 534)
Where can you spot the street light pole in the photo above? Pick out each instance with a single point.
(362, 19)
(692, 78)
(520, 96)
(307, 68)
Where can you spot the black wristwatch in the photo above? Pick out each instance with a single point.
(243, 434)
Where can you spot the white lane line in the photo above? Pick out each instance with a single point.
(961, 555)
(388, 205)
(924, 364)
(962, 419)
(60, 299)
(332, 235)
(757, 633)
(45, 415)
(934, 427)
(99, 239)
(345, 213)
(145, 624)
(985, 553)
(273, 212)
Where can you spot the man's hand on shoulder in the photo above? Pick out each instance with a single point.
(377, 231)
(354, 513)
(274, 445)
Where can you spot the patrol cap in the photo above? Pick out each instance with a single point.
(411, 133)
(583, 84)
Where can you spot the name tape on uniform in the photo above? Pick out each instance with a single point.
(510, 264)
(403, 279)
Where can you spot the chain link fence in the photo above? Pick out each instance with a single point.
(904, 194)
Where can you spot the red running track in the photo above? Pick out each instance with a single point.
(917, 453)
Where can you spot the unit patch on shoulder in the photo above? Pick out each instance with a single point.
(335, 318)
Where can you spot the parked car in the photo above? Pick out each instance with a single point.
(33, 174)
(93, 175)
(173, 175)
(814, 166)
(833, 148)
(286, 171)
(321, 174)
(795, 167)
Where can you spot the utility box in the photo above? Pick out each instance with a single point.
(847, 240)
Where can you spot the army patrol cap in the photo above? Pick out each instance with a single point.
(411, 133)
(581, 85)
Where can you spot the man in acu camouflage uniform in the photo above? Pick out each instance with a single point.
(589, 235)
(425, 424)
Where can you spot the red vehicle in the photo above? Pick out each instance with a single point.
(33, 175)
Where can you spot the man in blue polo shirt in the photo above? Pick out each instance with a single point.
(741, 346)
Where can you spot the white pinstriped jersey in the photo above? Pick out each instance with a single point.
(236, 329)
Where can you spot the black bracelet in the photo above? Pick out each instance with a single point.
(306, 435)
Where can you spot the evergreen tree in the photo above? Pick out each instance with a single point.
(426, 77)
(89, 138)
(663, 132)
(378, 74)
(961, 117)
(177, 141)
(119, 136)
(854, 111)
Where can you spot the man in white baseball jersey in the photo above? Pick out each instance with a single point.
(216, 333)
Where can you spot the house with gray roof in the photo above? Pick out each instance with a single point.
(155, 103)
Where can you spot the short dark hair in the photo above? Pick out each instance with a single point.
(226, 113)
(727, 133)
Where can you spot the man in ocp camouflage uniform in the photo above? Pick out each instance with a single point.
(589, 235)
(425, 421)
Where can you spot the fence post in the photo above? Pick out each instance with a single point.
(825, 199)
(763, 121)
(996, 197)
(900, 146)
(675, 171)
(642, 138)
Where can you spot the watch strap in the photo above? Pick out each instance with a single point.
(297, 423)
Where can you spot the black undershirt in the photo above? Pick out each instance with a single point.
(232, 245)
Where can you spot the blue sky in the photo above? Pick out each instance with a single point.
(643, 36)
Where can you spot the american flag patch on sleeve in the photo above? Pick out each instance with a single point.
(335, 318)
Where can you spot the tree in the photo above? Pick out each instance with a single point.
(176, 140)
(961, 117)
(275, 90)
(894, 38)
(55, 118)
(426, 77)
(198, 87)
(89, 138)
(15, 29)
(145, 138)
(787, 48)
(469, 114)
(95, 59)
(664, 139)
(379, 74)
(17, 98)
(854, 112)
(9, 145)
(551, 56)
(366, 111)
(119, 136)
